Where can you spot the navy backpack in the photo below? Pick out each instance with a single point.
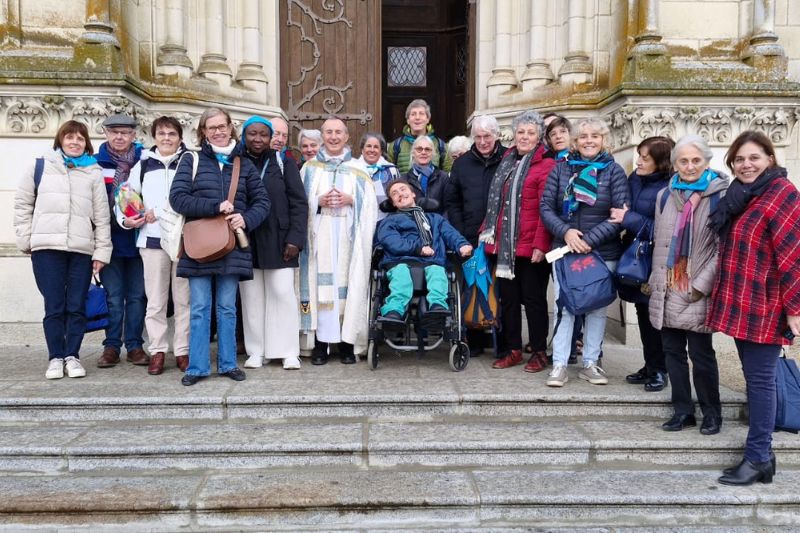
(586, 283)
(787, 380)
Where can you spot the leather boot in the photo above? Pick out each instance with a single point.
(156, 364)
(138, 357)
(109, 358)
(182, 361)
(772, 461)
(512, 359)
(537, 362)
(346, 353)
(319, 356)
(748, 473)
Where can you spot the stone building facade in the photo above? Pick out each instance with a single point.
(649, 67)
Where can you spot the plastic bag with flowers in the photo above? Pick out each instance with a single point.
(128, 201)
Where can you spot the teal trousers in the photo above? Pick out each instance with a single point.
(401, 288)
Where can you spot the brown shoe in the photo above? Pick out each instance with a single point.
(537, 362)
(182, 361)
(156, 364)
(138, 357)
(512, 359)
(109, 358)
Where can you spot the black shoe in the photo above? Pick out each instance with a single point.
(434, 319)
(392, 317)
(319, 356)
(711, 425)
(188, 380)
(748, 473)
(678, 422)
(732, 469)
(236, 374)
(656, 382)
(346, 353)
(437, 309)
(639, 377)
(475, 351)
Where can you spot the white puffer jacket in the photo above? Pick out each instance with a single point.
(69, 213)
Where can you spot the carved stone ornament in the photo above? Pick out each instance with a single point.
(719, 125)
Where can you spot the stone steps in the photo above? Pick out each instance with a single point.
(398, 499)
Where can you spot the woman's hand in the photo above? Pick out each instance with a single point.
(134, 222)
(290, 251)
(97, 266)
(236, 221)
(617, 214)
(794, 324)
(226, 208)
(150, 216)
(537, 256)
(574, 240)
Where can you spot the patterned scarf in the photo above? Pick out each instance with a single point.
(508, 204)
(123, 163)
(738, 196)
(423, 225)
(583, 183)
(423, 174)
(680, 245)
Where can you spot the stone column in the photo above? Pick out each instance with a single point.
(11, 23)
(172, 57)
(98, 28)
(213, 64)
(538, 72)
(764, 40)
(648, 39)
(576, 67)
(503, 77)
(251, 71)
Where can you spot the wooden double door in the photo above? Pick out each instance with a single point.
(365, 60)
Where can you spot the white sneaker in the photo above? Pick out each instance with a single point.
(593, 374)
(291, 363)
(55, 370)
(254, 361)
(557, 377)
(74, 367)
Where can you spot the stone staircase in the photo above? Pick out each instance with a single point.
(410, 446)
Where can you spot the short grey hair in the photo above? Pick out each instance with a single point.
(419, 102)
(422, 139)
(594, 123)
(692, 140)
(459, 144)
(487, 123)
(314, 135)
(528, 117)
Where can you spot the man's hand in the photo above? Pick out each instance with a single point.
(465, 250)
(427, 251)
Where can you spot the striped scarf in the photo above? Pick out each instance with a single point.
(680, 245)
(423, 225)
(582, 186)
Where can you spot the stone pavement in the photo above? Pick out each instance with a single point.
(409, 446)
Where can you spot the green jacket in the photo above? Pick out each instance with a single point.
(402, 145)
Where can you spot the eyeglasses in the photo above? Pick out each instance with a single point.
(215, 129)
(423, 150)
(119, 133)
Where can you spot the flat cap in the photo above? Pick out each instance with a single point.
(119, 121)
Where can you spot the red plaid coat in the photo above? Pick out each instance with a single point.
(758, 283)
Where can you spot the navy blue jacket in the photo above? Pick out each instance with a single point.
(592, 221)
(400, 238)
(123, 240)
(201, 199)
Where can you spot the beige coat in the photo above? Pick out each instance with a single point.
(670, 307)
(70, 212)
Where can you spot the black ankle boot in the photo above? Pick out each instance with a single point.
(319, 355)
(771, 461)
(346, 353)
(748, 473)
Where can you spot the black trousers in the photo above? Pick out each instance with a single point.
(528, 288)
(705, 372)
(759, 364)
(654, 360)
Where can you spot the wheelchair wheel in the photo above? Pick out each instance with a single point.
(372, 355)
(459, 356)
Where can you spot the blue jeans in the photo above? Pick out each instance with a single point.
(200, 324)
(63, 279)
(594, 329)
(123, 278)
(759, 364)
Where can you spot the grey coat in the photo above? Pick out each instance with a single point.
(669, 307)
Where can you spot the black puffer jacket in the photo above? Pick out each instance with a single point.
(288, 214)
(201, 199)
(592, 221)
(468, 189)
(437, 183)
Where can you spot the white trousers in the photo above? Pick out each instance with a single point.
(159, 271)
(270, 314)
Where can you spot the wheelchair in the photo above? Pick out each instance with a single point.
(418, 331)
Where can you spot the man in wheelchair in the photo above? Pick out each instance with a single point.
(411, 237)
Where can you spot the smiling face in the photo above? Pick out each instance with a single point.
(334, 136)
(120, 139)
(418, 120)
(645, 164)
(690, 163)
(309, 148)
(750, 162)
(526, 137)
(217, 130)
(73, 144)
(257, 137)
(371, 151)
(402, 196)
(422, 153)
(280, 134)
(589, 142)
(484, 141)
(167, 140)
(559, 138)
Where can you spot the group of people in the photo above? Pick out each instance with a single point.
(724, 250)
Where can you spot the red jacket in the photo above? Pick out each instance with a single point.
(531, 232)
(757, 284)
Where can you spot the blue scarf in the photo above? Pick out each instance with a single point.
(222, 158)
(81, 161)
(582, 186)
(699, 185)
(562, 155)
(424, 173)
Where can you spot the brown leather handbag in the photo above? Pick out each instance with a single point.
(209, 239)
